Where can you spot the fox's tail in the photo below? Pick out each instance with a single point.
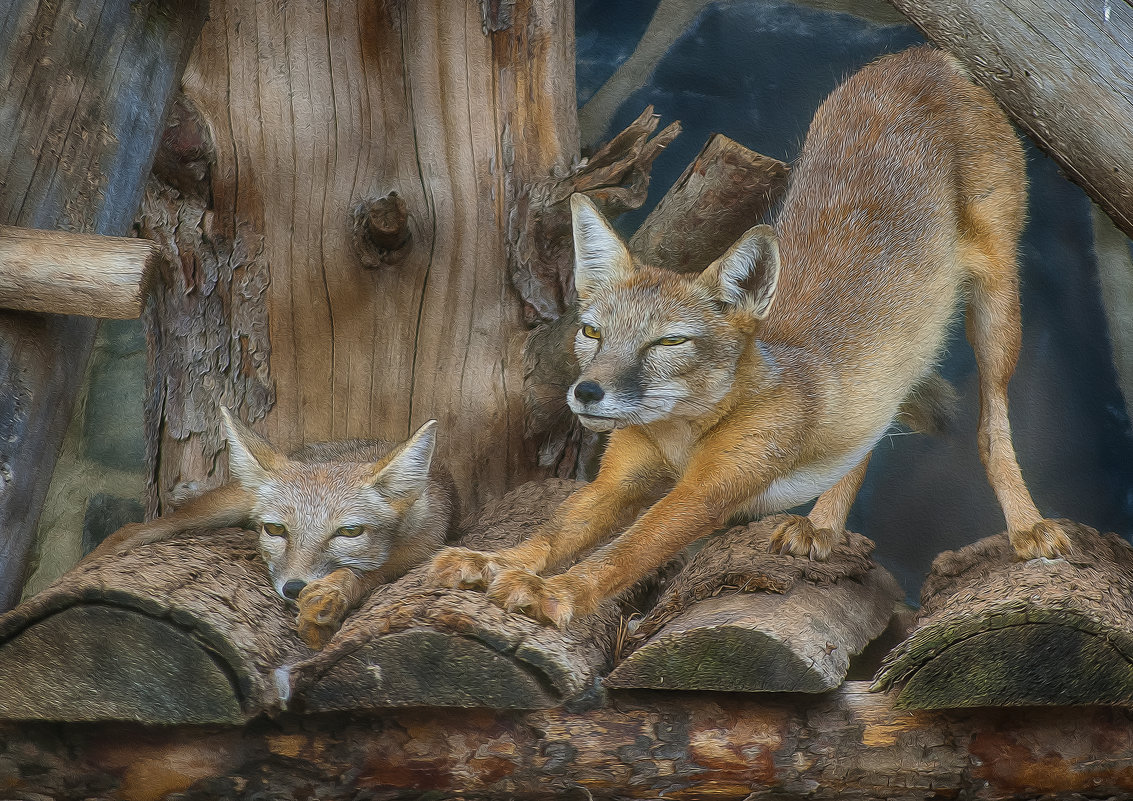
(930, 406)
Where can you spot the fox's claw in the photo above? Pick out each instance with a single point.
(1046, 539)
(461, 568)
(556, 600)
(322, 608)
(797, 535)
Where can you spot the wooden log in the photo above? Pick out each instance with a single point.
(185, 631)
(86, 83)
(740, 618)
(993, 631)
(413, 645)
(723, 192)
(64, 273)
(848, 744)
(1060, 69)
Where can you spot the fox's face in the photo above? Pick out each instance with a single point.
(315, 518)
(654, 344)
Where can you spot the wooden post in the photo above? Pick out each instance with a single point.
(316, 113)
(1060, 69)
(64, 273)
(85, 87)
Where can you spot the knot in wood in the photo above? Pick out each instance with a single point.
(380, 230)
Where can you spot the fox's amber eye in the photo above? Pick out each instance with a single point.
(672, 340)
(349, 531)
(275, 530)
(591, 332)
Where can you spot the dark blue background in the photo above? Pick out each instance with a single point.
(756, 71)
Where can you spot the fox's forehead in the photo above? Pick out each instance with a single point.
(650, 301)
(320, 497)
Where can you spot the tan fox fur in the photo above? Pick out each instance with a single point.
(754, 387)
(336, 519)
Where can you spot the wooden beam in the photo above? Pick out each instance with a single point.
(85, 87)
(1060, 69)
(847, 744)
(64, 273)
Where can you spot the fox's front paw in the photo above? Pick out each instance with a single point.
(797, 535)
(322, 608)
(556, 600)
(1047, 539)
(461, 568)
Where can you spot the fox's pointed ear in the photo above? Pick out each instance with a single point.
(406, 473)
(251, 458)
(746, 276)
(599, 254)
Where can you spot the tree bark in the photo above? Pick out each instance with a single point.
(1061, 71)
(994, 631)
(847, 744)
(65, 273)
(86, 84)
(317, 113)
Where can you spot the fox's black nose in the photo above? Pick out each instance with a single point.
(589, 392)
(292, 588)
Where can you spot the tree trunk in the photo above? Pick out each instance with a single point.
(847, 744)
(1061, 71)
(299, 290)
(85, 87)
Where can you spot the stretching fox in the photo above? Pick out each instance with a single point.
(749, 389)
(336, 519)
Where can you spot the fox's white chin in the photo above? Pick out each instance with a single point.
(600, 424)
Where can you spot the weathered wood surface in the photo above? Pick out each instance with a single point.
(85, 86)
(739, 617)
(185, 631)
(723, 192)
(312, 110)
(413, 645)
(993, 631)
(847, 744)
(1060, 68)
(63, 273)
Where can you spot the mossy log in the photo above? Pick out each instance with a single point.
(993, 631)
(414, 645)
(184, 631)
(848, 744)
(739, 617)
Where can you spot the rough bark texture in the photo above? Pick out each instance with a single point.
(848, 744)
(1061, 70)
(65, 273)
(723, 192)
(411, 645)
(185, 631)
(993, 631)
(85, 86)
(739, 617)
(314, 109)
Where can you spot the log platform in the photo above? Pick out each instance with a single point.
(414, 645)
(741, 618)
(993, 631)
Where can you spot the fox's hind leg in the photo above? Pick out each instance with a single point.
(816, 534)
(993, 328)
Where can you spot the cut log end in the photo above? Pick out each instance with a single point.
(65, 668)
(994, 631)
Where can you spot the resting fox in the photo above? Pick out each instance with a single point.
(749, 389)
(336, 519)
